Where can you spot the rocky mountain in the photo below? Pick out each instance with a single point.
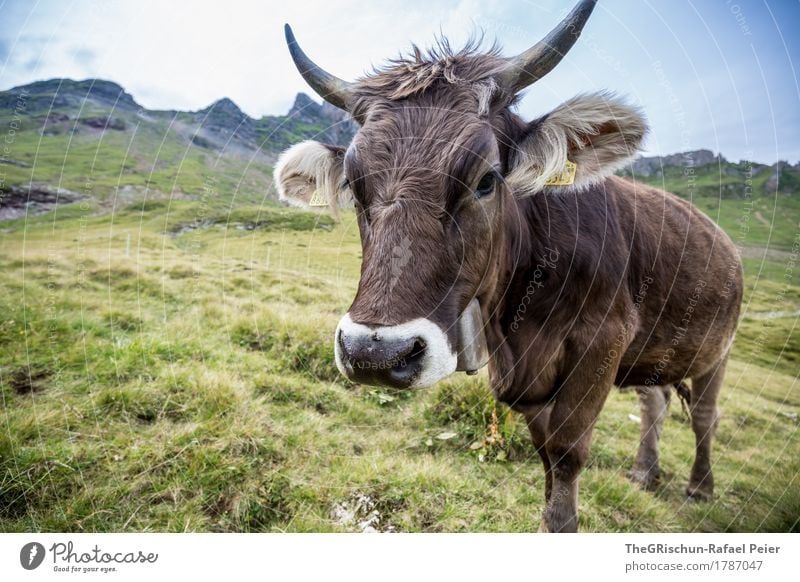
(64, 105)
(62, 135)
(307, 120)
(56, 94)
(650, 166)
(702, 172)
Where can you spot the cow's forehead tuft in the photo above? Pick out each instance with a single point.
(419, 71)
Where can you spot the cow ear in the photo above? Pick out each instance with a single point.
(311, 174)
(578, 144)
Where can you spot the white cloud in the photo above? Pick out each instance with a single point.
(187, 55)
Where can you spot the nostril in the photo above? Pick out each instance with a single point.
(417, 349)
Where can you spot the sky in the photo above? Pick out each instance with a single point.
(716, 74)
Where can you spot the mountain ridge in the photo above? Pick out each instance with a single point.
(222, 119)
(91, 139)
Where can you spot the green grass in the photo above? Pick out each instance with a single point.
(150, 155)
(155, 378)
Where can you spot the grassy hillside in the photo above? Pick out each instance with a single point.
(166, 360)
(164, 373)
(93, 140)
(154, 155)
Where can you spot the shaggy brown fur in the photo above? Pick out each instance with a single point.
(417, 72)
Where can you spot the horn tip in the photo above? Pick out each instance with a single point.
(287, 31)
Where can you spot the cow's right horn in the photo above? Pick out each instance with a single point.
(540, 59)
(332, 89)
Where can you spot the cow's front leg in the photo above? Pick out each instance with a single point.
(574, 414)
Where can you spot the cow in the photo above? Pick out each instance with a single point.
(478, 227)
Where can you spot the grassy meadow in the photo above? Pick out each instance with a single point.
(168, 366)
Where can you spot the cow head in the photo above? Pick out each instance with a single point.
(433, 172)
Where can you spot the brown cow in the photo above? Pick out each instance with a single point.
(578, 279)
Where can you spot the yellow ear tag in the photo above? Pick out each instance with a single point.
(317, 199)
(564, 178)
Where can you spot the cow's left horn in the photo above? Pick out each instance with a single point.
(330, 88)
(540, 59)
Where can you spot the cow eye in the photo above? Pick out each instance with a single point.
(485, 186)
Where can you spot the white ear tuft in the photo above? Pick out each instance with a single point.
(309, 167)
(598, 132)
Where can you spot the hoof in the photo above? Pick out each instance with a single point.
(698, 495)
(559, 523)
(647, 480)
